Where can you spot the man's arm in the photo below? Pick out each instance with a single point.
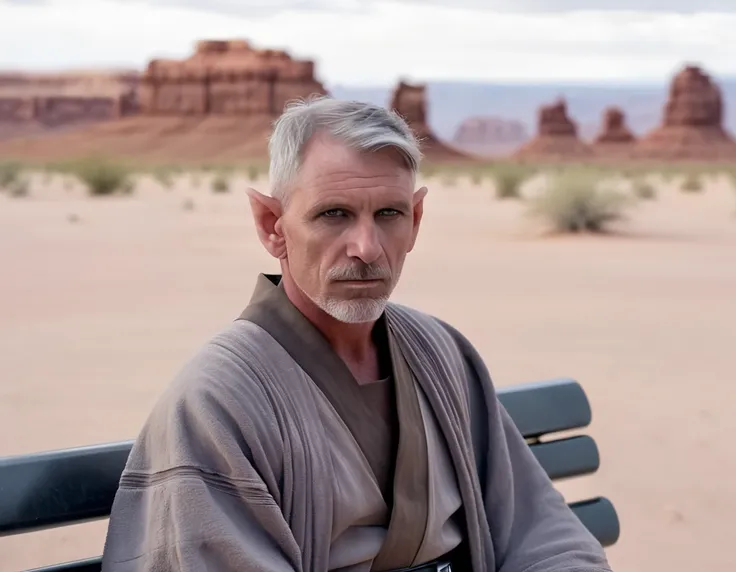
(533, 528)
(191, 498)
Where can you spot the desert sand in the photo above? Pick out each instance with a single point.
(102, 300)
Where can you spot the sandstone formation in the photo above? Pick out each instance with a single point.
(490, 135)
(226, 78)
(614, 129)
(217, 105)
(32, 103)
(557, 136)
(410, 101)
(692, 122)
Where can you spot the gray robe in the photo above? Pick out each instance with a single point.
(259, 457)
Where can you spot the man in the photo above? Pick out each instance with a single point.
(326, 428)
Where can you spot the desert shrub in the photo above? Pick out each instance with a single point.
(428, 170)
(254, 172)
(508, 181)
(102, 177)
(196, 179)
(577, 201)
(20, 187)
(128, 186)
(731, 178)
(9, 173)
(449, 179)
(692, 183)
(643, 189)
(221, 183)
(164, 176)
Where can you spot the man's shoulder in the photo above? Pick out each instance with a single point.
(227, 370)
(215, 406)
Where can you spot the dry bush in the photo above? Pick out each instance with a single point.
(254, 172)
(103, 177)
(643, 189)
(692, 183)
(164, 176)
(577, 201)
(221, 183)
(508, 180)
(449, 179)
(476, 178)
(9, 173)
(428, 170)
(19, 188)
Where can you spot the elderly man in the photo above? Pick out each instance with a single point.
(328, 428)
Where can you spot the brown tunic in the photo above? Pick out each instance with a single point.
(379, 397)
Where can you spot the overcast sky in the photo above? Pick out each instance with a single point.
(369, 42)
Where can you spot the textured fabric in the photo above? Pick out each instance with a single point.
(245, 465)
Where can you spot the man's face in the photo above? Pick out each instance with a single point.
(348, 224)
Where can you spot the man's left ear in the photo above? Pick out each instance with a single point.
(418, 212)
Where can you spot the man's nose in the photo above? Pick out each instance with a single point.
(364, 242)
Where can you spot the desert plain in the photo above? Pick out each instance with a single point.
(104, 298)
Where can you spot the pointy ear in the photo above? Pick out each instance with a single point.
(267, 213)
(418, 212)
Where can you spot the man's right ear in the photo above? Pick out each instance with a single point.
(267, 213)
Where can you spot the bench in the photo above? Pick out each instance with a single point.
(64, 487)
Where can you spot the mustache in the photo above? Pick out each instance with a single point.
(359, 272)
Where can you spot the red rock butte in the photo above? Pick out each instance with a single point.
(41, 102)
(226, 78)
(410, 101)
(614, 129)
(556, 138)
(614, 139)
(692, 122)
(217, 105)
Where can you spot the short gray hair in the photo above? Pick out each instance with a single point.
(362, 126)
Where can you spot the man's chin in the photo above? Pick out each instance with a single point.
(356, 310)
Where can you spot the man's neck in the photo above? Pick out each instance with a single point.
(354, 343)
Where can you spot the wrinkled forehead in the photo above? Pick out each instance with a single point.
(329, 166)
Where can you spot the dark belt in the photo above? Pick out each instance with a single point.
(431, 567)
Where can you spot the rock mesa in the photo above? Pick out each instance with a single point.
(490, 135)
(40, 102)
(226, 77)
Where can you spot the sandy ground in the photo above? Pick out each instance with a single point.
(103, 299)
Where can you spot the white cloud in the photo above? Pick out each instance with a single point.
(378, 44)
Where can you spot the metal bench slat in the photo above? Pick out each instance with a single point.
(600, 518)
(598, 515)
(44, 490)
(63, 487)
(87, 565)
(565, 458)
(59, 487)
(546, 407)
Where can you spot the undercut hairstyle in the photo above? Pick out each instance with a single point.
(362, 126)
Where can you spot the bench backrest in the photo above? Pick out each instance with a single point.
(71, 486)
